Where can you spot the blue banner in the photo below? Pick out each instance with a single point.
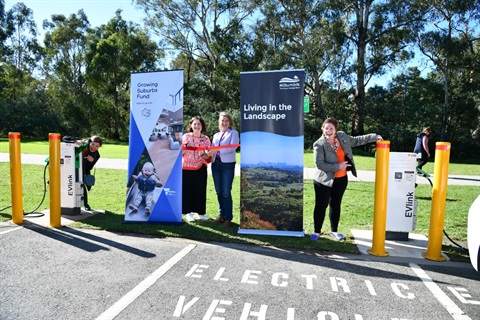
(271, 195)
(154, 179)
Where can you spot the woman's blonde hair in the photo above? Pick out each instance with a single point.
(231, 124)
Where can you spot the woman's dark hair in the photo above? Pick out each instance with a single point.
(96, 139)
(204, 125)
(332, 121)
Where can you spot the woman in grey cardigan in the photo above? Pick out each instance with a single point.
(333, 158)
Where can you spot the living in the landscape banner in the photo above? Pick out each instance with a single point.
(271, 195)
(154, 180)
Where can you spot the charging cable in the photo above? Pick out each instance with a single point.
(33, 213)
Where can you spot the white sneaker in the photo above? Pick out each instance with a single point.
(203, 217)
(190, 217)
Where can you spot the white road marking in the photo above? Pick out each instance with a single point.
(10, 230)
(121, 304)
(445, 301)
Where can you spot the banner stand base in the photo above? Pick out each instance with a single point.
(153, 222)
(272, 232)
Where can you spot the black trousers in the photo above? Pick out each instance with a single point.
(422, 161)
(86, 189)
(194, 191)
(325, 196)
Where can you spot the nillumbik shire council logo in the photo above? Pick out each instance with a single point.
(289, 83)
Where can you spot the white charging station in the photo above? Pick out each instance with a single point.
(71, 176)
(401, 203)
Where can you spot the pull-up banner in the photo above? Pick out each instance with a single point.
(271, 194)
(154, 179)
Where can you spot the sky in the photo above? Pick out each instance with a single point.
(101, 11)
(98, 11)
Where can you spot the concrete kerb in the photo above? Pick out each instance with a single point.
(43, 218)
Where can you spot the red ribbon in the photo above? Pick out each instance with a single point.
(211, 147)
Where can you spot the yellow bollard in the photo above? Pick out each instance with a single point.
(16, 177)
(380, 202)
(439, 198)
(54, 159)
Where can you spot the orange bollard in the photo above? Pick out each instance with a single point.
(54, 171)
(380, 202)
(16, 177)
(439, 199)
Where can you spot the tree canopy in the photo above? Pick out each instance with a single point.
(77, 81)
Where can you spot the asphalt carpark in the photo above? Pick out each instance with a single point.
(66, 273)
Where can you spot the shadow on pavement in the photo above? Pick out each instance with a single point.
(79, 239)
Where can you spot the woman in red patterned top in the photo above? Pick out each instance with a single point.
(194, 169)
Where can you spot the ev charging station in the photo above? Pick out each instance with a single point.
(401, 203)
(71, 175)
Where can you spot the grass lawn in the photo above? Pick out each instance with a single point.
(357, 212)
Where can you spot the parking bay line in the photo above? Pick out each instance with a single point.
(121, 304)
(445, 301)
(10, 230)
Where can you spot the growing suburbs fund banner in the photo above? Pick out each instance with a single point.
(154, 180)
(271, 196)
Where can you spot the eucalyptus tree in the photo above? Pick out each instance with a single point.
(4, 34)
(407, 104)
(450, 44)
(21, 50)
(380, 32)
(3, 31)
(115, 50)
(212, 36)
(20, 92)
(64, 67)
(3, 53)
(304, 34)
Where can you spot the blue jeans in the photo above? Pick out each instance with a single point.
(223, 174)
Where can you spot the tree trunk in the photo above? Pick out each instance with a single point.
(116, 117)
(359, 100)
(318, 98)
(443, 134)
